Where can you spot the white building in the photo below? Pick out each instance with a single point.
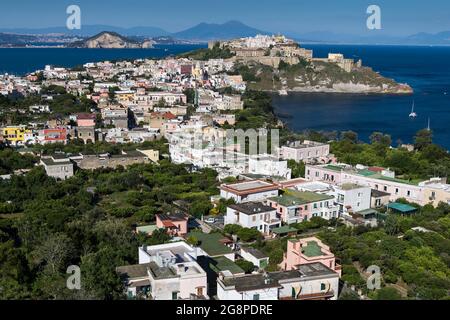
(253, 215)
(382, 179)
(312, 281)
(269, 166)
(248, 287)
(171, 272)
(58, 166)
(254, 190)
(255, 256)
(306, 151)
(351, 197)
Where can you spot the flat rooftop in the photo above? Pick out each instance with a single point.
(247, 187)
(133, 271)
(292, 198)
(254, 252)
(314, 269)
(220, 264)
(211, 243)
(251, 282)
(350, 186)
(251, 208)
(312, 249)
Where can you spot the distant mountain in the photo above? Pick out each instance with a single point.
(111, 40)
(8, 39)
(229, 30)
(442, 38)
(213, 31)
(91, 30)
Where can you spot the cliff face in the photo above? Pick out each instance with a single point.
(111, 40)
(322, 77)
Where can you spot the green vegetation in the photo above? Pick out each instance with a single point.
(245, 265)
(426, 161)
(87, 221)
(11, 160)
(205, 54)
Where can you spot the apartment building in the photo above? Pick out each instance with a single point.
(246, 191)
(268, 165)
(166, 272)
(352, 198)
(312, 281)
(421, 192)
(298, 206)
(305, 151)
(58, 166)
(253, 215)
(308, 250)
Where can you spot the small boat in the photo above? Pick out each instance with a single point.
(283, 92)
(413, 114)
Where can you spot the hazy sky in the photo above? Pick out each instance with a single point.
(399, 17)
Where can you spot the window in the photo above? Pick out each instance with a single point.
(322, 286)
(254, 218)
(385, 188)
(175, 295)
(315, 205)
(409, 193)
(396, 190)
(256, 296)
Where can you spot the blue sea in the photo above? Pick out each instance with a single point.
(20, 61)
(426, 69)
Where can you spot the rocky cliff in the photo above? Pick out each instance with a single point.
(111, 40)
(308, 76)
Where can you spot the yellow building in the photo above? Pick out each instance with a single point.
(16, 135)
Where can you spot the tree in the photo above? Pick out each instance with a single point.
(245, 265)
(276, 256)
(159, 236)
(201, 208)
(248, 234)
(98, 277)
(297, 168)
(192, 240)
(55, 252)
(423, 138)
(350, 136)
(232, 228)
(391, 225)
(387, 293)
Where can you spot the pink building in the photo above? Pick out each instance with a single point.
(299, 206)
(53, 135)
(308, 250)
(176, 224)
(86, 120)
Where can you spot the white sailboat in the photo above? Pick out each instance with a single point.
(413, 114)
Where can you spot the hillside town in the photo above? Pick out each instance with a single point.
(193, 108)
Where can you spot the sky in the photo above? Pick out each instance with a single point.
(398, 17)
